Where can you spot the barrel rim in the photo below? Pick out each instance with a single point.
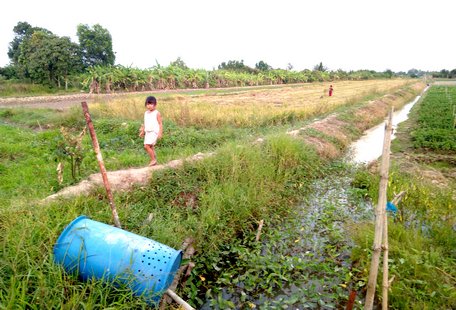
(68, 229)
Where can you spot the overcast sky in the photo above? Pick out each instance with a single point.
(343, 34)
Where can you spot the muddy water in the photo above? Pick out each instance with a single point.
(369, 147)
(322, 222)
(315, 245)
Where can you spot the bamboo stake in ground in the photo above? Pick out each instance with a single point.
(104, 175)
(379, 214)
(260, 227)
(386, 283)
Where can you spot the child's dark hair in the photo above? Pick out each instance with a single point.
(151, 99)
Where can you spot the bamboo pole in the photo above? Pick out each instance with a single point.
(179, 300)
(260, 227)
(104, 175)
(189, 251)
(379, 214)
(386, 283)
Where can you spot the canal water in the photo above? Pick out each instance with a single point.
(316, 239)
(369, 147)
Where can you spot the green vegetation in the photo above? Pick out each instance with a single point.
(96, 46)
(218, 201)
(11, 88)
(39, 56)
(422, 243)
(232, 189)
(436, 126)
(26, 147)
(422, 235)
(302, 260)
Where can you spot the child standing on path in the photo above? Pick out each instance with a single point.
(151, 129)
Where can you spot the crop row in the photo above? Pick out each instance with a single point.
(436, 120)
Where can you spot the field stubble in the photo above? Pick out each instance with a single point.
(253, 107)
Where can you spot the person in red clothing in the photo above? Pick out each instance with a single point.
(331, 89)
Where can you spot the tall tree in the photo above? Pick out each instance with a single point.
(388, 73)
(262, 66)
(22, 32)
(178, 63)
(452, 74)
(49, 59)
(235, 65)
(96, 45)
(320, 67)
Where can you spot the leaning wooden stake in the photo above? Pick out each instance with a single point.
(379, 214)
(104, 175)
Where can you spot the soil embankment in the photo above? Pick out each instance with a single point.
(341, 128)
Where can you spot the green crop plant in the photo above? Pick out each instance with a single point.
(435, 126)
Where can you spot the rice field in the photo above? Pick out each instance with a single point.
(252, 107)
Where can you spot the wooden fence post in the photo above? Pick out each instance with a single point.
(104, 175)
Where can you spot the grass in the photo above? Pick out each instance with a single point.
(421, 245)
(233, 190)
(435, 128)
(24, 159)
(15, 89)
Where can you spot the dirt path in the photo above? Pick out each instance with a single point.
(55, 102)
(121, 180)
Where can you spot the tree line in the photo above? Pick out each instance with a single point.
(38, 55)
(41, 57)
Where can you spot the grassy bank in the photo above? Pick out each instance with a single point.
(231, 191)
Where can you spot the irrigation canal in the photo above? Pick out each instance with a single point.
(316, 239)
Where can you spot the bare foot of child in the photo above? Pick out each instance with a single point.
(152, 163)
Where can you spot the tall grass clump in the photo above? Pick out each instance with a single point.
(220, 197)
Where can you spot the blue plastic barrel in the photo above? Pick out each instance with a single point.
(96, 250)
